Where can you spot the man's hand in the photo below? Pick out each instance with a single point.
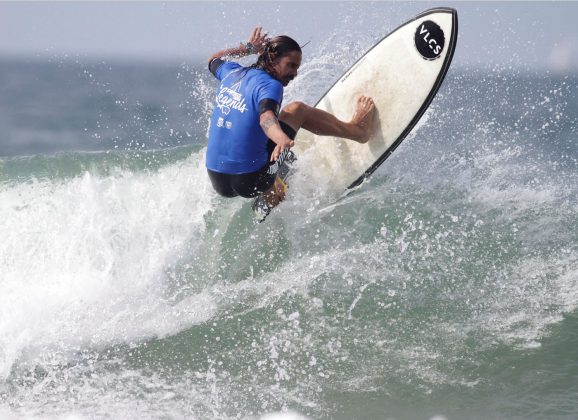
(272, 129)
(280, 147)
(258, 40)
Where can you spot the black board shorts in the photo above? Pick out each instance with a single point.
(251, 184)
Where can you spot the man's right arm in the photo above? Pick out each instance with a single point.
(255, 45)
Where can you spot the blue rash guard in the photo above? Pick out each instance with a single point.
(237, 143)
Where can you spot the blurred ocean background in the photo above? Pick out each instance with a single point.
(445, 287)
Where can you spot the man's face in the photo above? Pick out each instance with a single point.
(286, 67)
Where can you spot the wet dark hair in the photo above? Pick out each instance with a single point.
(277, 47)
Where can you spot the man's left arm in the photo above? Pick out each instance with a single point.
(270, 125)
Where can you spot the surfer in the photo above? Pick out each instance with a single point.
(249, 135)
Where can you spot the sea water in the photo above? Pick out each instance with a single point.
(445, 287)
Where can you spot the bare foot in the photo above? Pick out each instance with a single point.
(274, 195)
(362, 120)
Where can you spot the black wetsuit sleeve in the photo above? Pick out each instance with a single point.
(214, 65)
(269, 105)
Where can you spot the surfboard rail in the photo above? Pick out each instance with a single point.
(430, 97)
(450, 45)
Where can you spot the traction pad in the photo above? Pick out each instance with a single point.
(260, 206)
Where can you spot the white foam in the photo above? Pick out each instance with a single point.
(83, 260)
(288, 415)
(8, 415)
(536, 294)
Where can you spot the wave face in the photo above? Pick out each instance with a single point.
(446, 285)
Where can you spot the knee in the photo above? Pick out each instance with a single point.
(294, 108)
(221, 185)
(294, 114)
(224, 191)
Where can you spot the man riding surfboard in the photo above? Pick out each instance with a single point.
(249, 134)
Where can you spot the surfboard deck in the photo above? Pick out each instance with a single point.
(402, 74)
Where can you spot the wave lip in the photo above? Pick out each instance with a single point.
(84, 259)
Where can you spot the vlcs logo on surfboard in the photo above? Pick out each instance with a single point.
(429, 40)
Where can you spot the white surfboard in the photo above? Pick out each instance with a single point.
(402, 73)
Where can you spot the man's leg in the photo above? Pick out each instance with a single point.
(299, 115)
(274, 195)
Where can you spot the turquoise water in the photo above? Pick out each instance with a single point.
(445, 287)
